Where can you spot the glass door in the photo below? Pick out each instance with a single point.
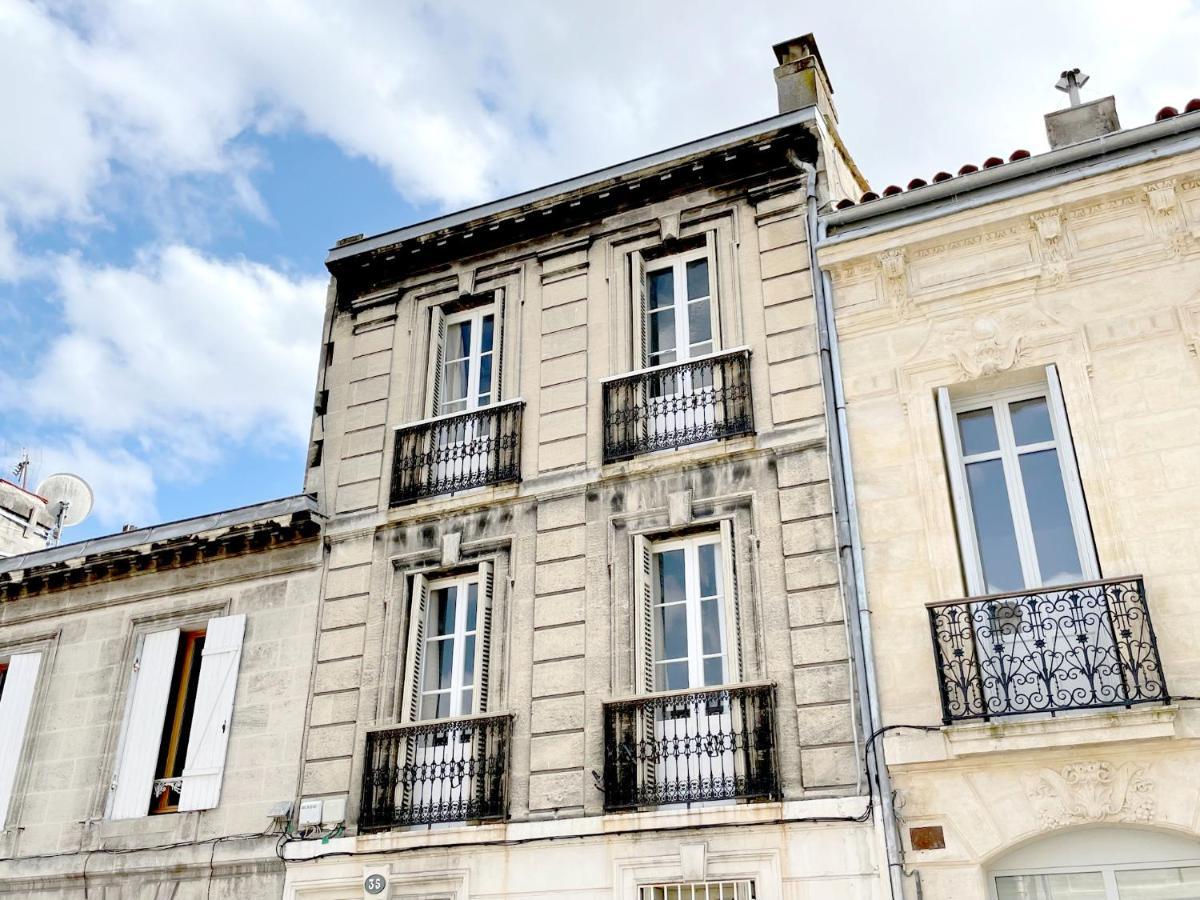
(468, 362)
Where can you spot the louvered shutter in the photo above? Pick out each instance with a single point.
(483, 635)
(733, 608)
(1069, 464)
(644, 609)
(140, 743)
(714, 301)
(959, 495)
(641, 349)
(416, 645)
(498, 348)
(213, 713)
(437, 349)
(15, 704)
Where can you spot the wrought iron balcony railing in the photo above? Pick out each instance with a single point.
(453, 770)
(1082, 646)
(690, 746)
(456, 452)
(678, 404)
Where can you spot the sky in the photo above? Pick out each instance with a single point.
(172, 174)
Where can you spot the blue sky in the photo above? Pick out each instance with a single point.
(171, 175)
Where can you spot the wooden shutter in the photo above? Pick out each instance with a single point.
(411, 707)
(644, 623)
(733, 608)
(1069, 464)
(15, 705)
(213, 713)
(140, 743)
(437, 349)
(959, 495)
(641, 349)
(483, 635)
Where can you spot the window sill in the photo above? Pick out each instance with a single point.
(145, 831)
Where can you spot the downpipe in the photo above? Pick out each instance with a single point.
(850, 543)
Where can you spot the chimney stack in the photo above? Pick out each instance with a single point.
(1080, 121)
(800, 77)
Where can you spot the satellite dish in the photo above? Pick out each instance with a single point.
(70, 497)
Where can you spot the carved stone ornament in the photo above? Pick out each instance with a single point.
(1091, 792)
(989, 345)
(1168, 217)
(1049, 228)
(895, 282)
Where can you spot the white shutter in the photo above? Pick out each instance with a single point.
(15, 704)
(140, 744)
(733, 610)
(643, 675)
(958, 493)
(498, 348)
(416, 644)
(714, 302)
(212, 714)
(437, 347)
(641, 352)
(483, 636)
(1070, 474)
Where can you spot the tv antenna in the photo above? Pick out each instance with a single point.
(21, 470)
(70, 500)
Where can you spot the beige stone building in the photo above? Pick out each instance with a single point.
(581, 630)
(152, 706)
(1018, 369)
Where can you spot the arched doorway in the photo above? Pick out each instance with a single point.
(1104, 863)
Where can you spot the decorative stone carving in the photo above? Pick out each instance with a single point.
(1091, 792)
(989, 345)
(451, 544)
(1168, 217)
(1049, 228)
(895, 282)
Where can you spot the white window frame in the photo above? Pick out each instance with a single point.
(677, 263)
(949, 409)
(1108, 872)
(690, 545)
(462, 630)
(475, 315)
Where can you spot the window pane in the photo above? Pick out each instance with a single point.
(1159, 884)
(662, 331)
(709, 585)
(454, 382)
(439, 659)
(994, 526)
(697, 278)
(671, 676)
(710, 626)
(441, 611)
(487, 337)
(977, 429)
(670, 636)
(699, 322)
(458, 341)
(1031, 421)
(660, 288)
(435, 706)
(670, 576)
(467, 700)
(469, 661)
(1073, 886)
(714, 671)
(1057, 553)
(472, 606)
(485, 377)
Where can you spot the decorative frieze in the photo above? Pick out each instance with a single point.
(1091, 792)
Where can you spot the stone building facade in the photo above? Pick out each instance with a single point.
(1018, 365)
(582, 627)
(207, 625)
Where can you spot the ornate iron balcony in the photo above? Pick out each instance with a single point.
(689, 746)
(679, 404)
(1082, 646)
(454, 770)
(456, 452)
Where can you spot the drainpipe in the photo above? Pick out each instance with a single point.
(850, 542)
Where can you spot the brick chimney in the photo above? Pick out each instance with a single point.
(800, 77)
(1080, 121)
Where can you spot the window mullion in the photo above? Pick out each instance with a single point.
(683, 329)
(1016, 496)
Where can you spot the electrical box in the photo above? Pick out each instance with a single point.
(310, 812)
(335, 811)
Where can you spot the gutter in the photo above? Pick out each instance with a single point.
(761, 128)
(1098, 156)
(850, 546)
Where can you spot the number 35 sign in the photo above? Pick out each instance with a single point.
(374, 884)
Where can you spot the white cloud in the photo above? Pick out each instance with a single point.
(181, 353)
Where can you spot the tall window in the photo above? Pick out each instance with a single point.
(1020, 509)
(678, 309)
(464, 359)
(18, 679)
(447, 659)
(177, 726)
(699, 890)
